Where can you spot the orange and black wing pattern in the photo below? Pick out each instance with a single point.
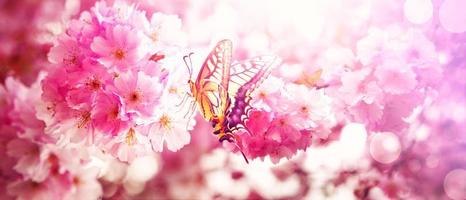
(210, 89)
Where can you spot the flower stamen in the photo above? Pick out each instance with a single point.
(130, 137)
(119, 54)
(165, 121)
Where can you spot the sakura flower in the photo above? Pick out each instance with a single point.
(67, 53)
(139, 92)
(84, 29)
(311, 107)
(395, 77)
(85, 85)
(170, 128)
(259, 122)
(29, 163)
(281, 129)
(164, 31)
(269, 93)
(120, 12)
(277, 137)
(23, 114)
(108, 114)
(129, 144)
(120, 47)
(357, 85)
(370, 48)
(419, 50)
(367, 113)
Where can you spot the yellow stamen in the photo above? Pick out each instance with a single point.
(130, 137)
(173, 90)
(165, 121)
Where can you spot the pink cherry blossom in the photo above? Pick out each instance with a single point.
(68, 52)
(120, 47)
(108, 114)
(277, 137)
(140, 93)
(163, 31)
(129, 144)
(309, 107)
(170, 128)
(395, 77)
(29, 160)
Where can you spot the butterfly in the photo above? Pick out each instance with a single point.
(222, 90)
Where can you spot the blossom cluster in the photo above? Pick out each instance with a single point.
(33, 166)
(285, 118)
(110, 79)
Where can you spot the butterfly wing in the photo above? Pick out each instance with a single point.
(211, 84)
(245, 77)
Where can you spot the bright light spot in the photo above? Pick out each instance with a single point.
(259, 172)
(214, 160)
(292, 14)
(133, 188)
(377, 193)
(418, 11)
(142, 169)
(385, 147)
(114, 171)
(353, 141)
(454, 184)
(256, 43)
(236, 189)
(453, 16)
(442, 58)
(422, 133)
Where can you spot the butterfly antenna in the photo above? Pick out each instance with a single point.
(191, 61)
(190, 65)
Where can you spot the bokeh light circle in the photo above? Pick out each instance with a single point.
(353, 141)
(142, 169)
(385, 147)
(452, 15)
(418, 11)
(454, 184)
